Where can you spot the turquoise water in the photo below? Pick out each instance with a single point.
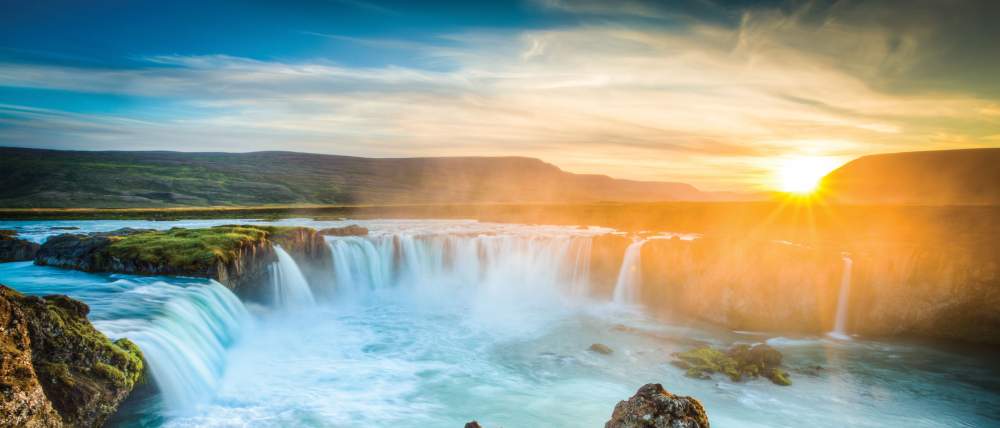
(432, 337)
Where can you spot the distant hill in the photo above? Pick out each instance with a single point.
(945, 177)
(53, 179)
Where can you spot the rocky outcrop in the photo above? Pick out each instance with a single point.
(654, 407)
(739, 362)
(55, 368)
(936, 291)
(349, 230)
(13, 249)
(235, 255)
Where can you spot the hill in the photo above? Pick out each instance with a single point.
(34, 178)
(944, 177)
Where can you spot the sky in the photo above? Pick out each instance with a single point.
(718, 94)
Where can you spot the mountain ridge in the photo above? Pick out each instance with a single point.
(933, 177)
(45, 178)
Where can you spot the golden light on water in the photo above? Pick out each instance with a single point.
(801, 175)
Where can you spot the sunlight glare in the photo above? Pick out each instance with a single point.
(802, 174)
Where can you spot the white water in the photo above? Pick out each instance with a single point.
(517, 268)
(185, 343)
(629, 282)
(840, 323)
(440, 323)
(291, 289)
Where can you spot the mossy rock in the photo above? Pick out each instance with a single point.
(84, 375)
(739, 362)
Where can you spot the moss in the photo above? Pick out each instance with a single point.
(55, 372)
(779, 377)
(187, 250)
(111, 373)
(738, 363)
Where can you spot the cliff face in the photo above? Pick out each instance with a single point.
(239, 257)
(903, 289)
(56, 369)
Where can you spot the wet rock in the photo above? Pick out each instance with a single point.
(55, 368)
(13, 249)
(739, 362)
(654, 407)
(351, 230)
(74, 251)
(601, 348)
(473, 424)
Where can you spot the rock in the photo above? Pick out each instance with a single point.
(238, 256)
(56, 369)
(473, 424)
(654, 407)
(351, 230)
(738, 363)
(601, 348)
(74, 251)
(13, 249)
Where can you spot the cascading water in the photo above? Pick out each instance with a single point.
(630, 275)
(840, 324)
(291, 289)
(185, 343)
(505, 265)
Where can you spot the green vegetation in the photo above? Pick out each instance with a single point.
(191, 250)
(738, 363)
(57, 179)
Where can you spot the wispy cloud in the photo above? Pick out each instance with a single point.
(707, 103)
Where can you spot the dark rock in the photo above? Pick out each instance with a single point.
(601, 348)
(738, 363)
(654, 407)
(86, 252)
(351, 230)
(13, 249)
(473, 424)
(56, 369)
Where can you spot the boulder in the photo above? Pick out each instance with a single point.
(473, 424)
(13, 249)
(601, 348)
(56, 369)
(739, 362)
(654, 407)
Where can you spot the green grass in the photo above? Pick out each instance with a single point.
(190, 249)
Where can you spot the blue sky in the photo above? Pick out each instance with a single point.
(714, 93)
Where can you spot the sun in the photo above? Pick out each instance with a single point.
(801, 175)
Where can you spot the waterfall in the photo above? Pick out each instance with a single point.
(840, 324)
(184, 343)
(630, 275)
(291, 290)
(497, 264)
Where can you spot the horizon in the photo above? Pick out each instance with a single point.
(743, 193)
(722, 96)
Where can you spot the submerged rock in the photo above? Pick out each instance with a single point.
(739, 362)
(350, 230)
(13, 249)
(601, 348)
(56, 369)
(654, 407)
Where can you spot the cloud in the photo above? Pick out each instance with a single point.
(708, 103)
